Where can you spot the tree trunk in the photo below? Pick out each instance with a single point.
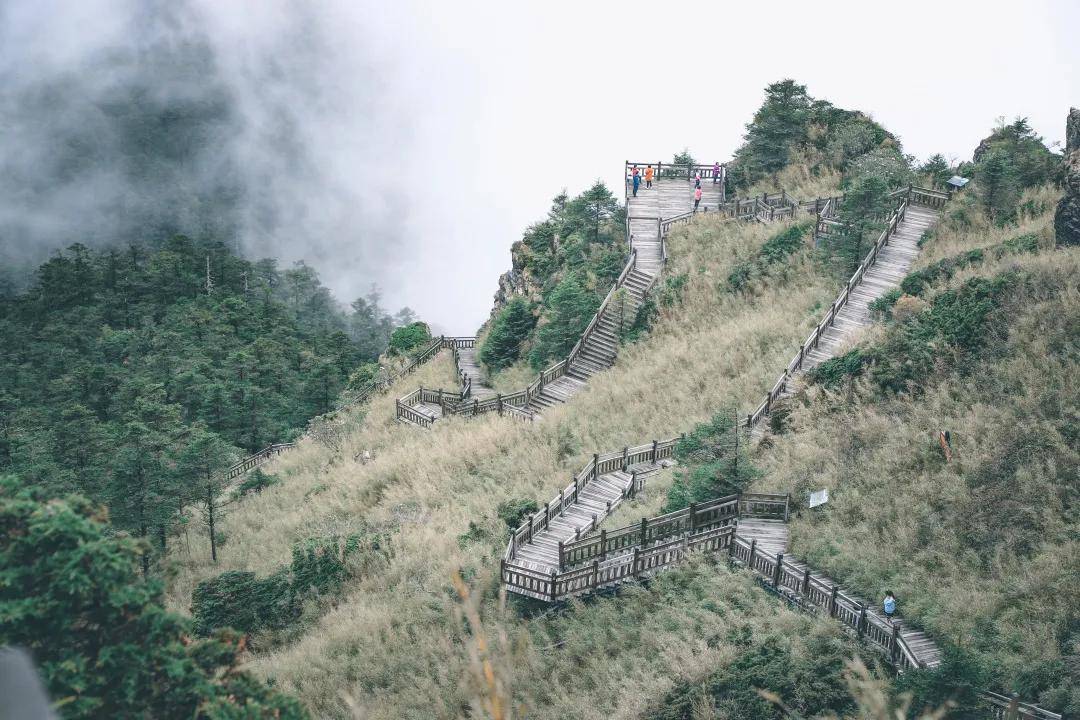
(210, 520)
(146, 554)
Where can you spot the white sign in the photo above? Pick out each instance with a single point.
(820, 497)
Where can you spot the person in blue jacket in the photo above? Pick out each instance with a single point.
(889, 605)
(637, 182)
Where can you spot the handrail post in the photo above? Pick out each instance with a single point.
(860, 622)
(633, 483)
(554, 578)
(644, 531)
(603, 544)
(1012, 712)
(832, 601)
(562, 564)
(654, 444)
(595, 573)
(634, 567)
(895, 643)
(806, 582)
(596, 465)
(787, 507)
(690, 518)
(777, 571)
(750, 559)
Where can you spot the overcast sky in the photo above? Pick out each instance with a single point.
(515, 102)
(435, 132)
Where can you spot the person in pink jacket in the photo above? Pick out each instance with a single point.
(697, 197)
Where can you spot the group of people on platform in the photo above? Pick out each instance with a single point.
(636, 175)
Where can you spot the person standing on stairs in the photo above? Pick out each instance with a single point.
(715, 173)
(637, 182)
(697, 196)
(697, 179)
(648, 177)
(889, 606)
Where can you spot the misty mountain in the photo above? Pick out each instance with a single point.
(128, 121)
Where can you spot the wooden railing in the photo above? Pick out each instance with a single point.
(1010, 707)
(804, 588)
(629, 553)
(674, 170)
(253, 461)
(649, 532)
(815, 593)
(601, 464)
(907, 196)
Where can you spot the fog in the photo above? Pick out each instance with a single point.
(408, 144)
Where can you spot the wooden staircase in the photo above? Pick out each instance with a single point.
(649, 217)
(883, 269)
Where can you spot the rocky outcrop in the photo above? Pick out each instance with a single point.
(1067, 217)
(1072, 132)
(519, 281)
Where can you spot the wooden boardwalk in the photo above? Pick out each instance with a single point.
(770, 537)
(892, 265)
(594, 503)
(884, 267)
(600, 346)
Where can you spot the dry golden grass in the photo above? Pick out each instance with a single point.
(390, 642)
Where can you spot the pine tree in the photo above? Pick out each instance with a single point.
(199, 468)
(511, 327)
(105, 645)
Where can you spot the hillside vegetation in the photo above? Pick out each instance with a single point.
(436, 493)
(983, 549)
(133, 376)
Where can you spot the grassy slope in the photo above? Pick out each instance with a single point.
(390, 641)
(984, 551)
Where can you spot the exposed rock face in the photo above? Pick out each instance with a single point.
(1067, 217)
(1072, 132)
(518, 281)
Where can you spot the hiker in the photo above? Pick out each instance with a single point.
(889, 605)
(637, 182)
(715, 173)
(697, 197)
(697, 179)
(648, 176)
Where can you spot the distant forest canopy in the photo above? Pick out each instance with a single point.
(119, 366)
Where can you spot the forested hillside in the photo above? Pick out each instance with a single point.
(128, 375)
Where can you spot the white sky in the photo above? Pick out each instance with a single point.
(518, 101)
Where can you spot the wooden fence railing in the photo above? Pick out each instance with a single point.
(601, 464)
(804, 588)
(921, 196)
(1009, 707)
(630, 553)
(676, 170)
(253, 461)
(697, 518)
